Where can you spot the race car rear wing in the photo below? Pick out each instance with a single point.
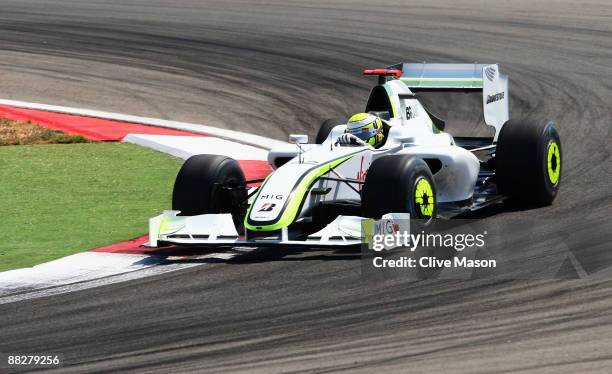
(442, 77)
(423, 77)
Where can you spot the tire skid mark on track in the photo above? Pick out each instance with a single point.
(134, 267)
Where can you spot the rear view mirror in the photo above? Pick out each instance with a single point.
(298, 139)
(405, 139)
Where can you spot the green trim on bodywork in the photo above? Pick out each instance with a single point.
(434, 128)
(171, 224)
(443, 82)
(296, 197)
(390, 95)
(163, 225)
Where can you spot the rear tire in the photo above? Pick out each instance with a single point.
(327, 126)
(528, 161)
(201, 188)
(399, 184)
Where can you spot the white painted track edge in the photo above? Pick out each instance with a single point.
(236, 136)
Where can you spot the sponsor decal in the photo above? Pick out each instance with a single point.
(385, 227)
(490, 72)
(496, 97)
(267, 207)
(383, 234)
(271, 197)
(411, 112)
(361, 174)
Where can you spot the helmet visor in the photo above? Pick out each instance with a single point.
(364, 133)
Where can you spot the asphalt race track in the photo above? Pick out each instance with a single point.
(278, 68)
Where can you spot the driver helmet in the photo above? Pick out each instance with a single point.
(366, 127)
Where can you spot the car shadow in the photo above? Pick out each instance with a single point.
(493, 210)
(238, 255)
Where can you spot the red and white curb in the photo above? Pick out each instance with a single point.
(235, 136)
(127, 260)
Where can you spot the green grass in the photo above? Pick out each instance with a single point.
(62, 199)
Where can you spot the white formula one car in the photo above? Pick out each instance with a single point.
(318, 194)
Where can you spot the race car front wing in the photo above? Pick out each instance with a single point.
(219, 230)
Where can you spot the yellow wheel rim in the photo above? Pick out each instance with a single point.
(424, 198)
(554, 162)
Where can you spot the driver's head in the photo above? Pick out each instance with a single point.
(366, 127)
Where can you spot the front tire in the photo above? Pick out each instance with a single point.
(210, 184)
(399, 184)
(528, 161)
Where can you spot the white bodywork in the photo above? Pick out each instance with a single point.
(495, 98)
(287, 194)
